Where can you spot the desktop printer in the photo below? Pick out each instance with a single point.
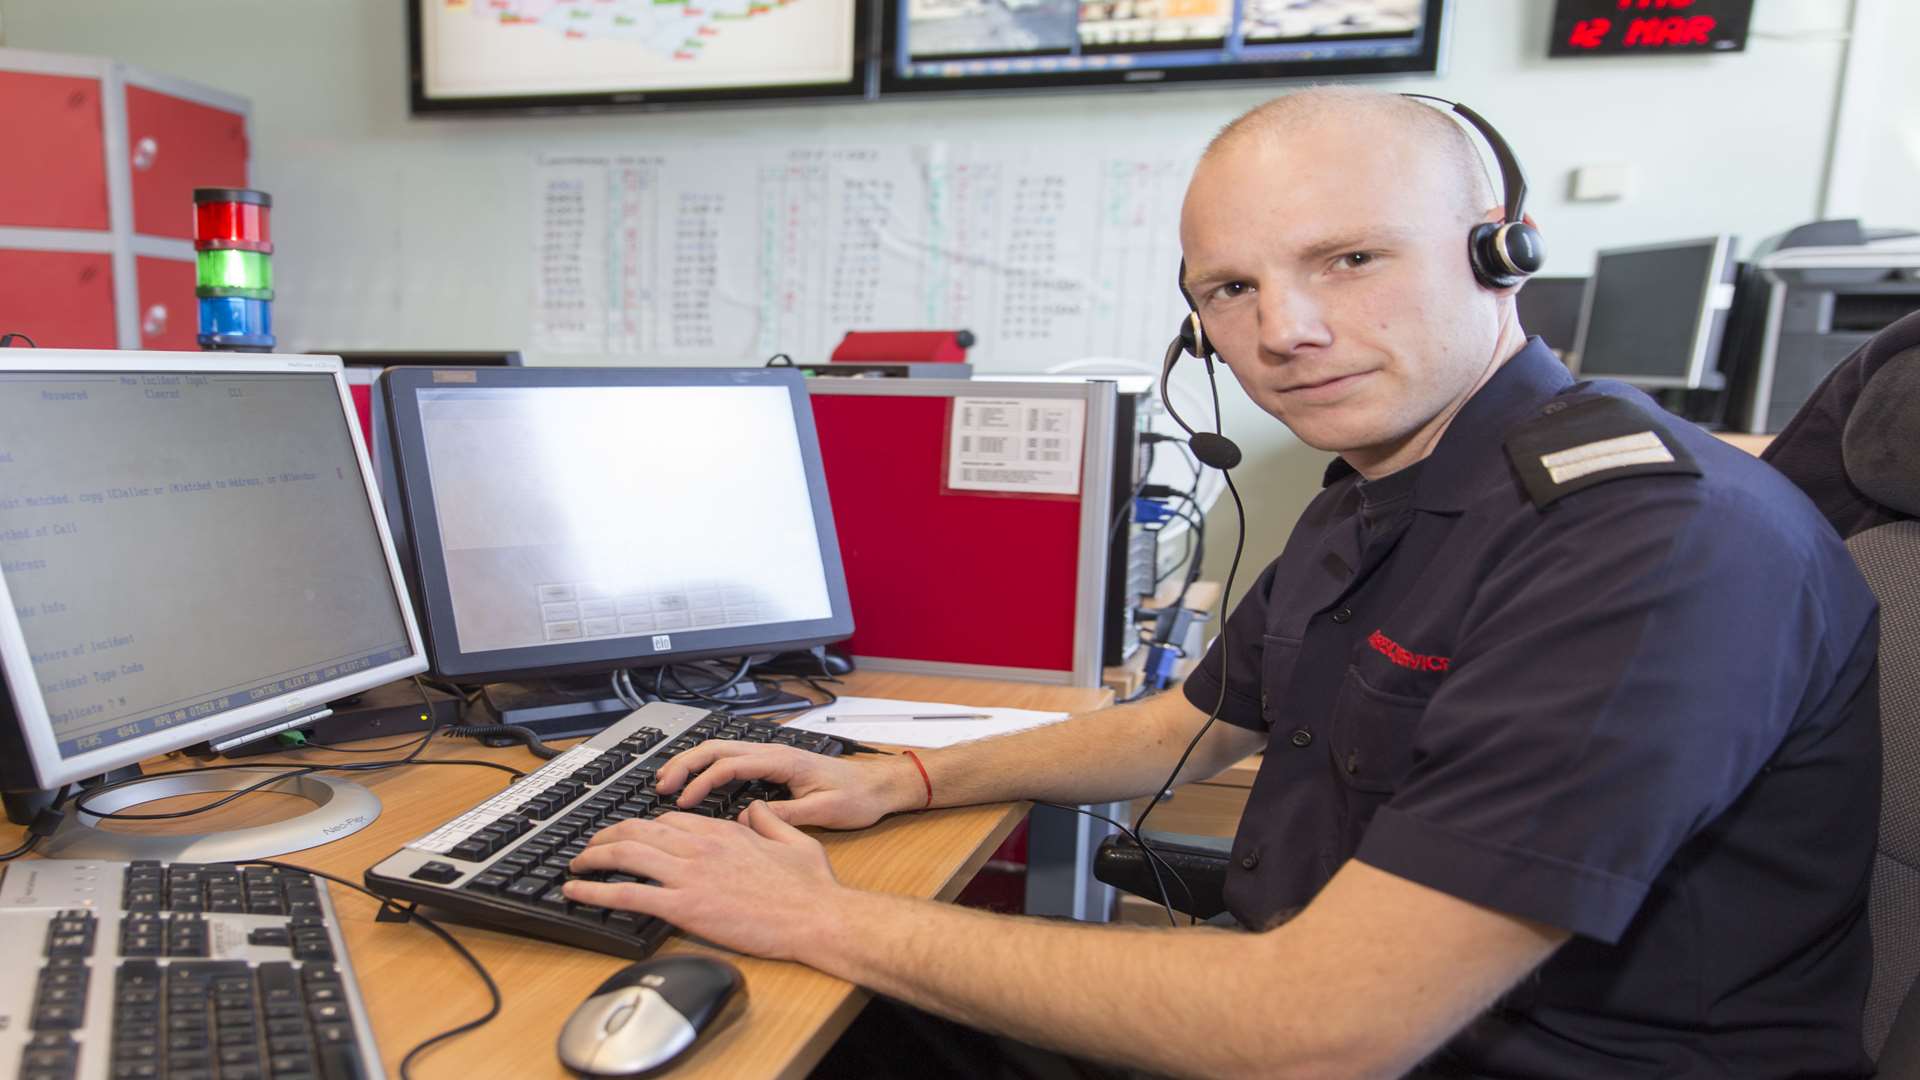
(1806, 300)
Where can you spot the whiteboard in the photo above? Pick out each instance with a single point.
(703, 258)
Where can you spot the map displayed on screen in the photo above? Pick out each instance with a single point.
(525, 48)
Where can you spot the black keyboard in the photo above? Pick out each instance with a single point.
(145, 969)
(502, 863)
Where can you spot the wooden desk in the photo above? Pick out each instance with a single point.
(415, 986)
(1752, 444)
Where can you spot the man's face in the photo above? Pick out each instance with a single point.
(1329, 266)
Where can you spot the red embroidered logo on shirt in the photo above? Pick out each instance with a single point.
(1414, 661)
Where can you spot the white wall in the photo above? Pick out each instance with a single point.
(399, 232)
(1876, 166)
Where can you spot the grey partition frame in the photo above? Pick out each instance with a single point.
(1096, 515)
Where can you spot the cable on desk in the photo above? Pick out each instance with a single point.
(501, 735)
(464, 696)
(43, 825)
(493, 989)
(294, 769)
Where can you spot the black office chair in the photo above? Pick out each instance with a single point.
(1200, 863)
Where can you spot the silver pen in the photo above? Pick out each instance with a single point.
(854, 717)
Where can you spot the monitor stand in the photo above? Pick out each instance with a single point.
(340, 808)
(565, 708)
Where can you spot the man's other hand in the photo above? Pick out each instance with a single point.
(830, 792)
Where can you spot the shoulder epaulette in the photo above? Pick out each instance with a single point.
(1572, 445)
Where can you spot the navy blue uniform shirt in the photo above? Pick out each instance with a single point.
(1629, 698)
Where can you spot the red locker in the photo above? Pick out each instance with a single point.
(169, 311)
(96, 222)
(52, 121)
(177, 145)
(59, 299)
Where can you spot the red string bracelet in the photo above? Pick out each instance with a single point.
(924, 778)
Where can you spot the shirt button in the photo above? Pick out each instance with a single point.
(1303, 738)
(1342, 615)
(1250, 860)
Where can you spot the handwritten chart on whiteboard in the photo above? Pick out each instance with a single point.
(1045, 256)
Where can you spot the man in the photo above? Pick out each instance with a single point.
(1571, 743)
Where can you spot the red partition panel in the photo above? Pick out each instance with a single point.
(50, 131)
(60, 299)
(169, 310)
(178, 145)
(933, 575)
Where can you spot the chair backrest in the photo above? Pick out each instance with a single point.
(1881, 447)
(1889, 558)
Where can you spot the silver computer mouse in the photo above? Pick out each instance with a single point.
(648, 1014)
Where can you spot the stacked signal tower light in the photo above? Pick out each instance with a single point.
(235, 261)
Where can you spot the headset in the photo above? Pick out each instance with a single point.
(1502, 253)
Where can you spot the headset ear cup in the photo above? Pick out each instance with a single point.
(1490, 267)
(1192, 336)
(1521, 248)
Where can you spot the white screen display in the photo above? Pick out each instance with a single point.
(570, 514)
(509, 48)
(179, 545)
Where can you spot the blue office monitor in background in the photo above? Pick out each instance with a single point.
(579, 521)
(190, 548)
(934, 45)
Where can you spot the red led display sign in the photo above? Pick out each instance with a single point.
(1630, 27)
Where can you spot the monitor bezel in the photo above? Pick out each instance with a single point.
(855, 87)
(1697, 359)
(29, 711)
(892, 83)
(448, 657)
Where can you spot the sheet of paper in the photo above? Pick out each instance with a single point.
(1029, 445)
(885, 721)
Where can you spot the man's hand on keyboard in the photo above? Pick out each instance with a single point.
(749, 885)
(827, 791)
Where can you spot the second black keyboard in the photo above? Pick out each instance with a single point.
(502, 863)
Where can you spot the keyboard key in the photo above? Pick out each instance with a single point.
(472, 849)
(437, 871)
(491, 883)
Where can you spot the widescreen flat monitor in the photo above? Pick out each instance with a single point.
(190, 547)
(553, 55)
(934, 45)
(1654, 314)
(575, 521)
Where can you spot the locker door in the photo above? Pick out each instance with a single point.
(169, 311)
(178, 145)
(60, 299)
(50, 130)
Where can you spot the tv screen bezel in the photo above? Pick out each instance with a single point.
(1427, 61)
(856, 87)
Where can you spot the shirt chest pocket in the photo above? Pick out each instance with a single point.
(1373, 731)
